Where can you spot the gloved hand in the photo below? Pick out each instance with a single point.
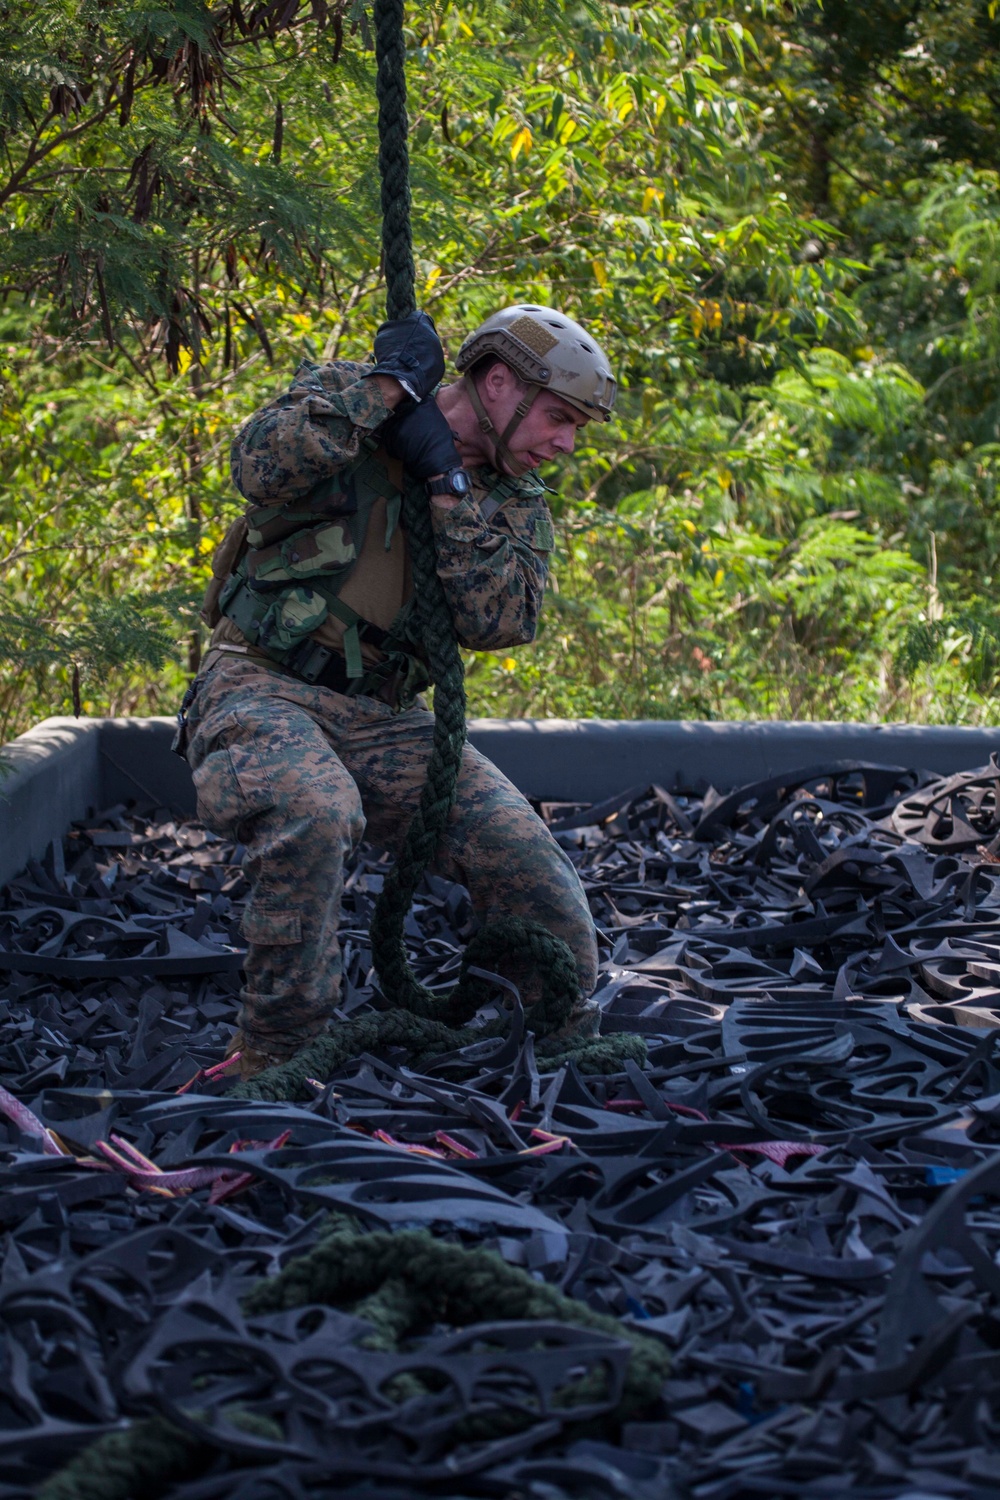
(422, 438)
(409, 350)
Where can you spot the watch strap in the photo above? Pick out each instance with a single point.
(444, 484)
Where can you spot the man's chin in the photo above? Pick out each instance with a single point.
(525, 460)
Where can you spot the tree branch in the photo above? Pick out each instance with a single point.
(37, 152)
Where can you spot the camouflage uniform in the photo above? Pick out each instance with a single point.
(298, 773)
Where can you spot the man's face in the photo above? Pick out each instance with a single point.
(548, 430)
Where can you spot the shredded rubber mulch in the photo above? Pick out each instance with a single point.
(798, 1195)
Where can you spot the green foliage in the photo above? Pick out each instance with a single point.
(783, 222)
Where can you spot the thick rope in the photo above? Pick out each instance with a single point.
(534, 947)
(143, 1460)
(394, 158)
(424, 1039)
(449, 1285)
(404, 1283)
(424, 1023)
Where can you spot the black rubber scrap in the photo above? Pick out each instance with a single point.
(790, 1198)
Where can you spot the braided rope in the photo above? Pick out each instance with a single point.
(401, 1283)
(424, 1023)
(548, 955)
(144, 1459)
(424, 1039)
(394, 158)
(429, 1281)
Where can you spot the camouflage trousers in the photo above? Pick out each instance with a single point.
(299, 774)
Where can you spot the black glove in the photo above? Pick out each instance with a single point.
(421, 437)
(410, 351)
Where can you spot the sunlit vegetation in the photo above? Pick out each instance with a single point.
(783, 222)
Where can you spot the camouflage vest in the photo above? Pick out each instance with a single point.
(281, 570)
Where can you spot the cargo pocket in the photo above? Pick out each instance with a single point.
(267, 928)
(231, 782)
(529, 523)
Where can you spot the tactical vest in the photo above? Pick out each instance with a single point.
(281, 570)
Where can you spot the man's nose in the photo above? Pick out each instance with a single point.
(565, 439)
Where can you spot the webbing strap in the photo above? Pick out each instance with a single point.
(501, 440)
(393, 511)
(489, 507)
(352, 635)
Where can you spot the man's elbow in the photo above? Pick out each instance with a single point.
(254, 480)
(265, 481)
(523, 636)
(501, 638)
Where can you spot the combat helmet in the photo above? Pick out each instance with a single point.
(547, 350)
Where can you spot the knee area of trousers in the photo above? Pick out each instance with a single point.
(333, 814)
(584, 946)
(577, 931)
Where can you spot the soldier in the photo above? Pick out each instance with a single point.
(302, 731)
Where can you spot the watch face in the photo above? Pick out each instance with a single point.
(460, 482)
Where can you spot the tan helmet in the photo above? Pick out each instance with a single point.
(547, 351)
(546, 348)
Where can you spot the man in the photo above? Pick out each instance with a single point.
(303, 732)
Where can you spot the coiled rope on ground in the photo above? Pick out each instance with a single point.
(402, 1284)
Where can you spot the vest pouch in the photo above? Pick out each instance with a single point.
(320, 552)
(333, 497)
(295, 614)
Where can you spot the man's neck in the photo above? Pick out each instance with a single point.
(472, 443)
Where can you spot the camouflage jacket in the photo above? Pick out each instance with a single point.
(493, 572)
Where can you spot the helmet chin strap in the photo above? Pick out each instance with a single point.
(500, 440)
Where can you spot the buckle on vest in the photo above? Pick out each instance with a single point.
(179, 743)
(307, 660)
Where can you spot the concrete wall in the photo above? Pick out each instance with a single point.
(47, 778)
(588, 759)
(64, 769)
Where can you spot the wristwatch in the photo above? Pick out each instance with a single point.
(452, 482)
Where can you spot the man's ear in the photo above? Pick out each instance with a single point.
(496, 379)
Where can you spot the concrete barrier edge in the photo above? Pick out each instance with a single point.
(64, 767)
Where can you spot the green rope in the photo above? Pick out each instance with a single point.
(452, 1286)
(394, 158)
(546, 954)
(424, 1023)
(405, 1284)
(424, 1039)
(147, 1459)
(143, 1460)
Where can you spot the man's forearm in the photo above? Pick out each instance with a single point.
(392, 391)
